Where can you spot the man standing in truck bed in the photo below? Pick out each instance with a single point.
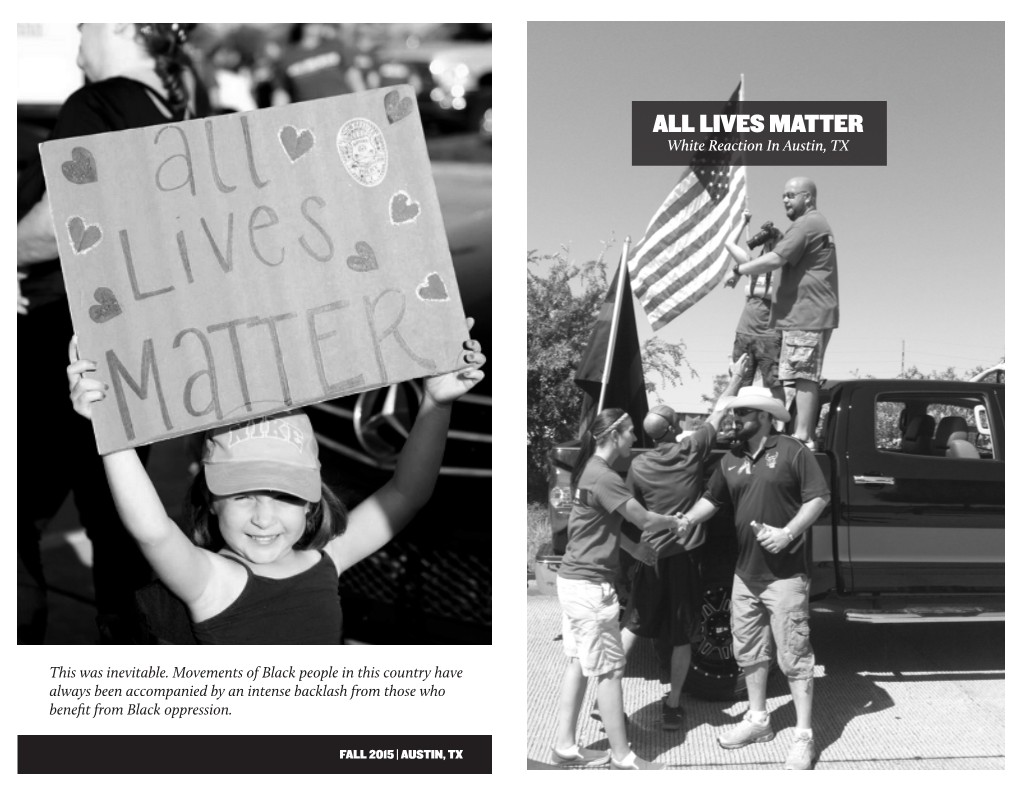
(665, 597)
(778, 491)
(806, 305)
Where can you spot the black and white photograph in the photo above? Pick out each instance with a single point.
(254, 324)
(766, 436)
(141, 547)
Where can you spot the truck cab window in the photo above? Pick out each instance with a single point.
(934, 426)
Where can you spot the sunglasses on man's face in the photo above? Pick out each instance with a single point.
(744, 411)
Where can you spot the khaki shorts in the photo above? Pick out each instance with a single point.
(772, 616)
(591, 625)
(802, 355)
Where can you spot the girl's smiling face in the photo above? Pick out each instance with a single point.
(261, 526)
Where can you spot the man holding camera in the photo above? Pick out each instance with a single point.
(806, 306)
(778, 491)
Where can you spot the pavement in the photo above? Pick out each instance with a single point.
(893, 696)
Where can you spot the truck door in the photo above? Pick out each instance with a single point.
(925, 489)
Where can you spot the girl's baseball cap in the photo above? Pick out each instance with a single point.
(276, 452)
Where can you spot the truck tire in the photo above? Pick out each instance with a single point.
(714, 673)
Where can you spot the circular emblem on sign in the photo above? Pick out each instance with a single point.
(362, 149)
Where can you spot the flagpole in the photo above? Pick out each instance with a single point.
(747, 227)
(617, 304)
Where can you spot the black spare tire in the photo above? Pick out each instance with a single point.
(714, 673)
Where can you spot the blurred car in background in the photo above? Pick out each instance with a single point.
(433, 583)
(450, 68)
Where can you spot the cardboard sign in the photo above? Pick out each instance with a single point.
(232, 267)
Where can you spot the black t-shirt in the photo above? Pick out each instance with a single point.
(304, 608)
(114, 104)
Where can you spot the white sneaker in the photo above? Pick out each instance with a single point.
(638, 764)
(802, 754)
(582, 758)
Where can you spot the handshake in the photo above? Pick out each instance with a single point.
(682, 523)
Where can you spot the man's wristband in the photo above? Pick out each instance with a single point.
(787, 532)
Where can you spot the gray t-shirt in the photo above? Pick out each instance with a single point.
(807, 298)
(593, 530)
(670, 479)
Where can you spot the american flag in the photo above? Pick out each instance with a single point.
(682, 255)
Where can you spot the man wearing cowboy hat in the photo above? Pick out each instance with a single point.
(778, 491)
(666, 592)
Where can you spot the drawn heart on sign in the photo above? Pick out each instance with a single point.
(81, 168)
(296, 143)
(433, 289)
(403, 208)
(83, 236)
(396, 107)
(364, 260)
(107, 306)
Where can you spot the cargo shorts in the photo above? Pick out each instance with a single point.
(591, 625)
(771, 616)
(802, 355)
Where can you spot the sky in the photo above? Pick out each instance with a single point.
(921, 241)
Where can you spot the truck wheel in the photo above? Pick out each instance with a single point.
(714, 673)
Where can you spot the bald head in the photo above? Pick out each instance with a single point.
(799, 197)
(660, 420)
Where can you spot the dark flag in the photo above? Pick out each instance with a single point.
(626, 385)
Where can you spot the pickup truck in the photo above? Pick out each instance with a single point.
(914, 530)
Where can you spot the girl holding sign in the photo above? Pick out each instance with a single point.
(268, 540)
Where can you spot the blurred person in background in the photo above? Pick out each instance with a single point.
(264, 72)
(234, 90)
(316, 64)
(139, 74)
(367, 54)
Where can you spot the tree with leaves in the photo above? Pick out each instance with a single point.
(563, 305)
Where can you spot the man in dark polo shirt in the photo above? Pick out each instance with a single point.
(778, 491)
(806, 304)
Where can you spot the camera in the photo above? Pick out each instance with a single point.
(768, 233)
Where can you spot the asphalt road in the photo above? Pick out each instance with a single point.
(905, 696)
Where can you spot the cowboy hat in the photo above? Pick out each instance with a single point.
(758, 398)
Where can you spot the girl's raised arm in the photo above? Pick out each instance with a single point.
(382, 515)
(183, 567)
